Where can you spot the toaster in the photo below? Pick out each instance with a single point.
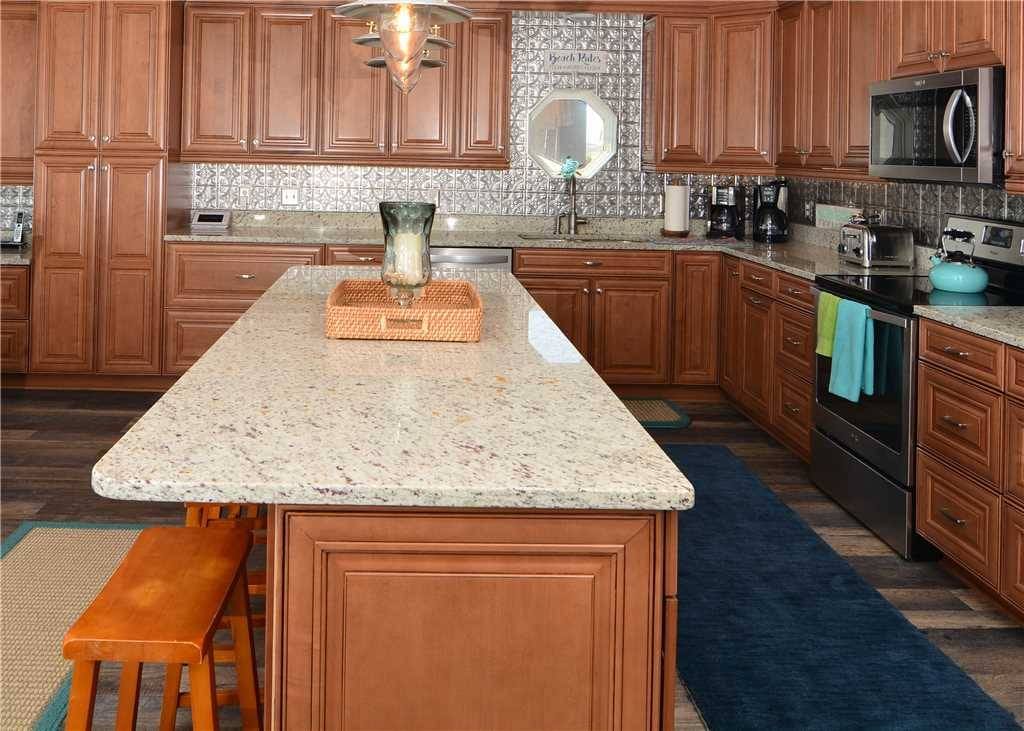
(870, 244)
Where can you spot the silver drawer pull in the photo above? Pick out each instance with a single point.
(958, 522)
(734, 274)
(756, 278)
(791, 408)
(591, 263)
(586, 290)
(794, 341)
(794, 292)
(953, 422)
(366, 258)
(755, 301)
(950, 350)
(246, 276)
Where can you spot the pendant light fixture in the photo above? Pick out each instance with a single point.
(406, 31)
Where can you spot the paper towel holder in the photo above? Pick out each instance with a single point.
(677, 222)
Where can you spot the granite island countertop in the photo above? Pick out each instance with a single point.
(276, 413)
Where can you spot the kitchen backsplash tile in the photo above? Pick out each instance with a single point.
(15, 198)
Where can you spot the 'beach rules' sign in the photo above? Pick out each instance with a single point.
(576, 62)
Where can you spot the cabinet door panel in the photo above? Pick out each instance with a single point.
(134, 76)
(1015, 97)
(129, 244)
(1014, 445)
(567, 303)
(732, 341)
(861, 52)
(916, 36)
(791, 99)
(424, 120)
(216, 80)
(697, 325)
(1012, 584)
(63, 269)
(14, 289)
(741, 111)
(974, 33)
(756, 365)
(13, 346)
(821, 84)
(684, 90)
(189, 334)
(285, 81)
(19, 38)
(486, 71)
(69, 58)
(350, 130)
(631, 330)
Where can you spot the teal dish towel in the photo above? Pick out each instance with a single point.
(853, 352)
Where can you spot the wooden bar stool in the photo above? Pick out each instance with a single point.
(163, 605)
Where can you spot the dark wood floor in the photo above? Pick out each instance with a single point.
(50, 440)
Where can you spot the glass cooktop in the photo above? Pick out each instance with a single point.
(902, 292)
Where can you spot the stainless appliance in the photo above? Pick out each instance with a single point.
(212, 221)
(771, 224)
(453, 257)
(726, 218)
(862, 454)
(868, 244)
(943, 127)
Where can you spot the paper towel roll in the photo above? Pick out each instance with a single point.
(677, 209)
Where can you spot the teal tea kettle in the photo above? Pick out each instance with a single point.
(956, 271)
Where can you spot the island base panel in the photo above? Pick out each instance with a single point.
(461, 619)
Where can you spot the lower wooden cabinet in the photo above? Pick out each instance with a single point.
(13, 346)
(959, 516)
(379, 605)
(567, 302)
(366, 256)
(756, 373)
(1014, 446)
(631, 330)
(1011, 584)
(792, 418)
(793, 336)
(732, 324)
(14, 288)
(188, 334)
(696, 323)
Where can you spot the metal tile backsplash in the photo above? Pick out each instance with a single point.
(618, 190)
(14, 198)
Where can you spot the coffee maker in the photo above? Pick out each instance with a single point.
(726, 218)
(771, 224)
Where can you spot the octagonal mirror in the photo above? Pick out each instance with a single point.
(572, 123)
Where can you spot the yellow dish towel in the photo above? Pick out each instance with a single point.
(828, 308)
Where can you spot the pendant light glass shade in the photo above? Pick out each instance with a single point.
(403, 30)
(405, 74)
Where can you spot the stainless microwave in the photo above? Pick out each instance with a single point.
(942, 127)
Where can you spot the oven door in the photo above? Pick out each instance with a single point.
(879, 428)
(936, 127)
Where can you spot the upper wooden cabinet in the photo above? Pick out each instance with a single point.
(103, 76)
(485, 86)
(928, 36)
(423, 122)
(19, 40)
(1015, 97)
(861, 61)
(347, 130)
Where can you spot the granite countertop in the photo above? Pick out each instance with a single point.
(21, 256)
(1005, 324)
(276, 413)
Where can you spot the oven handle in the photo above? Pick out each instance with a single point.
(901, 322)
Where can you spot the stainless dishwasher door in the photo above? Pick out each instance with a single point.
(454, 257)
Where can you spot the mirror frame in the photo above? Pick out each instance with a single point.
(611, 123)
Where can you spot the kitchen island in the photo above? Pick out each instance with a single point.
(462, 536)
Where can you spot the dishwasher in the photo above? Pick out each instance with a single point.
(457, 257)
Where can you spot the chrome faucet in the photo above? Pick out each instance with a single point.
(573, 221)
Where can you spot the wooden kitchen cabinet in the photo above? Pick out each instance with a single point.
(485, 80)
(567, 302)
(19, 50)
(67, 105)
(929, 36)
(1014, 151)
(792, 412)
(696, 324)
(130, 227)
(285, 80)
(1011, 584)
(631, 330)
(187, 334)
(423, 122)
(63, 264)
(791, 70)
(915, 28)
(741, 84)
(348, 130)
(1013, 485)
(13, 346)
(732, 326)
(215, 98)
(756, 370)
(861, 31)
(14, 289)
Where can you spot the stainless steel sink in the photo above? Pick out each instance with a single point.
(586, 237)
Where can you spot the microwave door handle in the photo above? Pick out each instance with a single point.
(947, 127)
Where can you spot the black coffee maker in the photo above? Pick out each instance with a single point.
(771, 223)
(726, 219)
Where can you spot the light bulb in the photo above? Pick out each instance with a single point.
(404, 29)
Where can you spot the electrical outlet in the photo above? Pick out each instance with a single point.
(289, 196)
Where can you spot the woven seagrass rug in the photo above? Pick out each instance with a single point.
(657, 413)
(49, 573)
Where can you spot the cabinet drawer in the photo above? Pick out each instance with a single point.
(188, 334)
(14, 293)
(1015, 372)
(961, 422)
(368, 256)
(793, 338)
(794, 291)
(14, 346)
(791, 411)
(228, 276)
(1013, 443)
(962, 352)
(758, 277)
(596, 262)
(1011, 585)
(959, 516)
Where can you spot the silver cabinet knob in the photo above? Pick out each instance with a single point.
(90, 167)
(1008, 153)
(944, 54)
(599, 290)
(586, 290)
(366, 258)
(92, 138)
(106, 138)
(794, 342)
(791, 408)
(241, 143)
(764, 153)
(381, 147)
(105, 167)
(246, 276)
(255, 143)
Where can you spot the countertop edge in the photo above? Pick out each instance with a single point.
(963, 318)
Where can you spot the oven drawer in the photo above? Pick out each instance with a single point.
(593, 262)
(793, 334)
(758, 277)
(961, 422)
(962, 352)
(959, 516)
(794, 291)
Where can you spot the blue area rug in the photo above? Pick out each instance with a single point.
(777, 631)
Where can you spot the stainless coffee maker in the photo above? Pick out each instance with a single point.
(726, 217)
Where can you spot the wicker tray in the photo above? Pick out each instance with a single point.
(448, 310)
